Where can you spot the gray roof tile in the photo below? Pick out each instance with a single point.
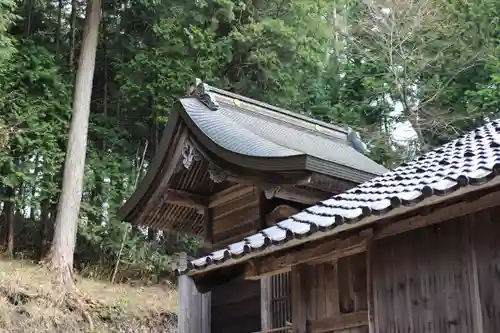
(470, 160)
(251, 130)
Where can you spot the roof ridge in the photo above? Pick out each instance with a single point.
(338, 128)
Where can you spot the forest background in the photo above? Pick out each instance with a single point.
(430, 68)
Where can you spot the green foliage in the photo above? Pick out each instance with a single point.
(432, 65)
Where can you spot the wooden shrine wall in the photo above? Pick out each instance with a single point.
(444, 278)
(235, 307)
(235, 218)
(337, 298)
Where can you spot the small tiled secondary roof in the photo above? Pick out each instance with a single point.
(252, 130)
(247, 127)
(473, 159)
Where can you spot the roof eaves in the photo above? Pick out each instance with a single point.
(126, 211)
(294, 231)
(464, 165)
(341, 171)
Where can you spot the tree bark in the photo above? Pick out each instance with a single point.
(58, 28)
(72, 42)
(29, 10)
(60, 257)
(9, 221)
(44, 227)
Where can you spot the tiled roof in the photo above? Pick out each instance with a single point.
(470, 160)
(251, 130)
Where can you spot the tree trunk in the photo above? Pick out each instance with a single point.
(44, 227)
(60, 257)
(9, 221)
(29, 10)
(72, 33)
(58, 28)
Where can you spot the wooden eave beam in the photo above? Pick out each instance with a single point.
(327, 183)
(319, 250)
(302, 195)
(229, 194)
(279, 213)
(310, 254)
(186, 199)
(208, 228)
(173, 155)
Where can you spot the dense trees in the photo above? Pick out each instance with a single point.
(432, 65)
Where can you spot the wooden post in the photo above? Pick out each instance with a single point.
(369, 288)
(265, 302)
(194, 307)
(208, 240)
(477, 310)
(299, 298)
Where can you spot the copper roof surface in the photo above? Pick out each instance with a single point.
(471, 160)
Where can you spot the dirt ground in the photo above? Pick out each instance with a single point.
(29, 303)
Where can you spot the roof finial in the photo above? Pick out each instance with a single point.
(354, 140)
(202, 93)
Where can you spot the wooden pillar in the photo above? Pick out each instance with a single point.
(369, 287)
(265, 302)
(299, 298)
(477, 309)
(194, 307)
(208, 239)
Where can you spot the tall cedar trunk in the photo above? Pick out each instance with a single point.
(29, 15)
(62, 250)
(8, 212)
(58, 28)
(72, 42)
(34, 188)
(44, 228)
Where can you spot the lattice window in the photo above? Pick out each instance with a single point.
(281, 306)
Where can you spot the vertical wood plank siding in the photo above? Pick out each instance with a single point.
(486, 237)
(236, 307)
(425, 280)
(337, 296)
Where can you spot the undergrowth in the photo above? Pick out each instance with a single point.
(29, 302)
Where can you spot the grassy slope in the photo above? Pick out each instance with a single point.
(30, 303)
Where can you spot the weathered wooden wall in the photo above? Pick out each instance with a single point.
(443, 278)
(337, 298)
(235, 218)
(236, 307)
(194, 308)
(241, 210)
(486, 233)
(330, 297)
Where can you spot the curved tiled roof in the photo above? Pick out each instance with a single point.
(245, 129)
(251, 135)
(244, 137)
(471, 160)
